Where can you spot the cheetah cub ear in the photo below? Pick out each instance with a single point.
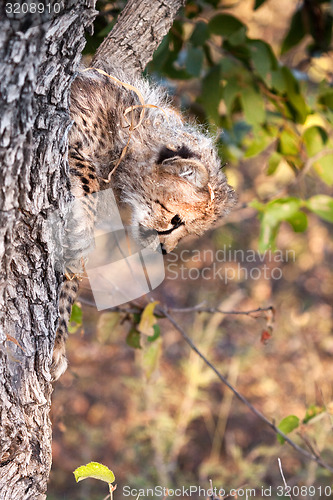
(192, 171)
(181, 162)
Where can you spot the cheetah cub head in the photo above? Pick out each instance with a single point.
(179, 190)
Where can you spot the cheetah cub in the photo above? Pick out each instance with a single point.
(166, 173)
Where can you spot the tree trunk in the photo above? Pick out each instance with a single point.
(39, 54)
(38, 59)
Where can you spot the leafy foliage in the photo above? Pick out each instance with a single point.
(246, 86)
(241, 85)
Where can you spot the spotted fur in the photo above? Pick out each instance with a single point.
(169, 179)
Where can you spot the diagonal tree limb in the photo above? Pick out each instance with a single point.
(138, 32)
(242, 398)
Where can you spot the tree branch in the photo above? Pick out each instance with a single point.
(139, 30)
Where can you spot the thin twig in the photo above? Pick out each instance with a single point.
(310, 161)
(213, 310)
(283, 478)
(198, 308)
(242, 398)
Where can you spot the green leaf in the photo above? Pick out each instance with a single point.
(289, 143)
(312, 412)
(321, 205)
(148, 319)
(94, 470)
(157, 333)
(230, 92)
(296, 101)
(278, 81)
(253, 106)
(273, 162)
(239, 37)
(260, 142)
(298, 221)
(287, 425)
(296, 32)
(211, 93)
(262, 56)
(76, 319)
(282, 209)
(151, 356)
(194, 60)
(314, 138)
(76, 316)
(267, 235)
(272, 214)
(327, 99)
(200, 34)
(133, 338)
(225, 25)
(162, 54)
(324, 169)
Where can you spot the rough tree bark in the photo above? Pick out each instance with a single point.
(38, 60)
(39, 54)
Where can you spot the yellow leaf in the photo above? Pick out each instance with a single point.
(148, 319)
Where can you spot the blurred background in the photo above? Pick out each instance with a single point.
(259, 76)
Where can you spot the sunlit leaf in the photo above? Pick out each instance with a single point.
(148, 319)
(267, 235)
(298, 221)
(289, 143)
(314, 138)
(287, 425)
(258, 144)
(151, 356)
(321, 205)
(312, 412)
(324, 169)
(76, 318)
(94, 470)
(282, 209)
(76, 315)
(272, 214)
